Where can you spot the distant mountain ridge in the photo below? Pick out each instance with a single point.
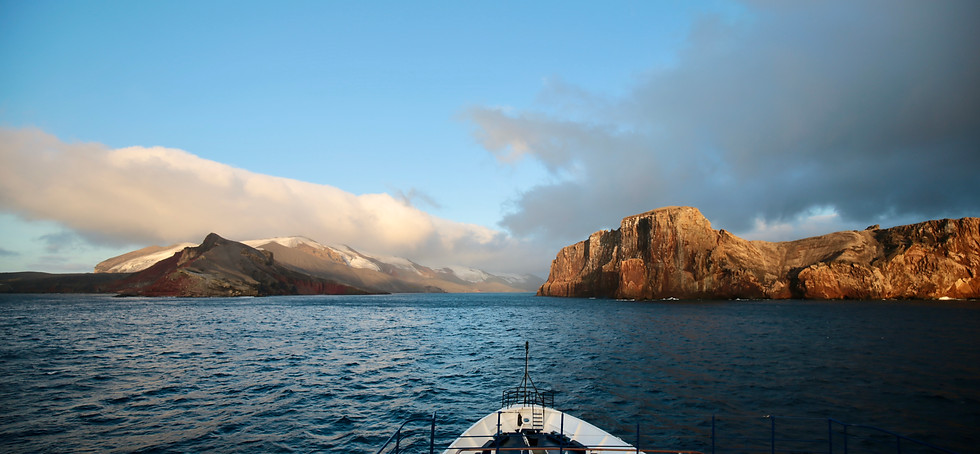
(220, 267)
(343, 264)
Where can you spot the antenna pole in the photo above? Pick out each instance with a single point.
(527, 349)
(527, 377)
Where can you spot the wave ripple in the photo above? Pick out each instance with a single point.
(338, 374)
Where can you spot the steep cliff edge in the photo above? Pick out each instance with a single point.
(673, 252)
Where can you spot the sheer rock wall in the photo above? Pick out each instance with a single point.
(673, 252)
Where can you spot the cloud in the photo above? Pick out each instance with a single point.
(414, 196)
(867, 110)
(140, 195)
(6, 253)
(61, 241)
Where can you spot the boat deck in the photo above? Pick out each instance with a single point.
(529, 426)
(529, 440)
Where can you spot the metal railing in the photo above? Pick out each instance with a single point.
(898, 439)
(788, 434)
(717, 434)
(527, 396)
(592, 449)
(400, 435)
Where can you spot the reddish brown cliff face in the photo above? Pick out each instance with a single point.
(674, 252)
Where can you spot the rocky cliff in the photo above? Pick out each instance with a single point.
(674, 253)
(220, 267)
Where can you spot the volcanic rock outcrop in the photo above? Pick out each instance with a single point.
(673, 252)
(220, 267)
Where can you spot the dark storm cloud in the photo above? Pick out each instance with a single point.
(871, 109)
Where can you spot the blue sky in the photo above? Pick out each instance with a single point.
(365, 96)
(487, 134)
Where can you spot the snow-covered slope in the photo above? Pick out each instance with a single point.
(287, 241)
(355, 259)
(468, 274)
(140, 260)
(349, 256)
(308, 255)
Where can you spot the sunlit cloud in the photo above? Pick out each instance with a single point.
(414, 197)
(156, 195)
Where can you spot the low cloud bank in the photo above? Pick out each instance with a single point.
(157, 195)
(868, 111)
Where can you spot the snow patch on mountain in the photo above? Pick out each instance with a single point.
(355, 259)
(469, 274)
(511, 278)
(395, 261)
(350, 257)
(143, 262)
(285, 241)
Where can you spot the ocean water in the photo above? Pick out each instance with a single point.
(93, 373)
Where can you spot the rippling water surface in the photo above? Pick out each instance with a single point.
(338, 373)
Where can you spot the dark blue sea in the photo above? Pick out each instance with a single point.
(93, 373)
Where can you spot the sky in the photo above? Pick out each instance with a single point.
(483, 134)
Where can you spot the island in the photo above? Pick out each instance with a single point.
(673, 252)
